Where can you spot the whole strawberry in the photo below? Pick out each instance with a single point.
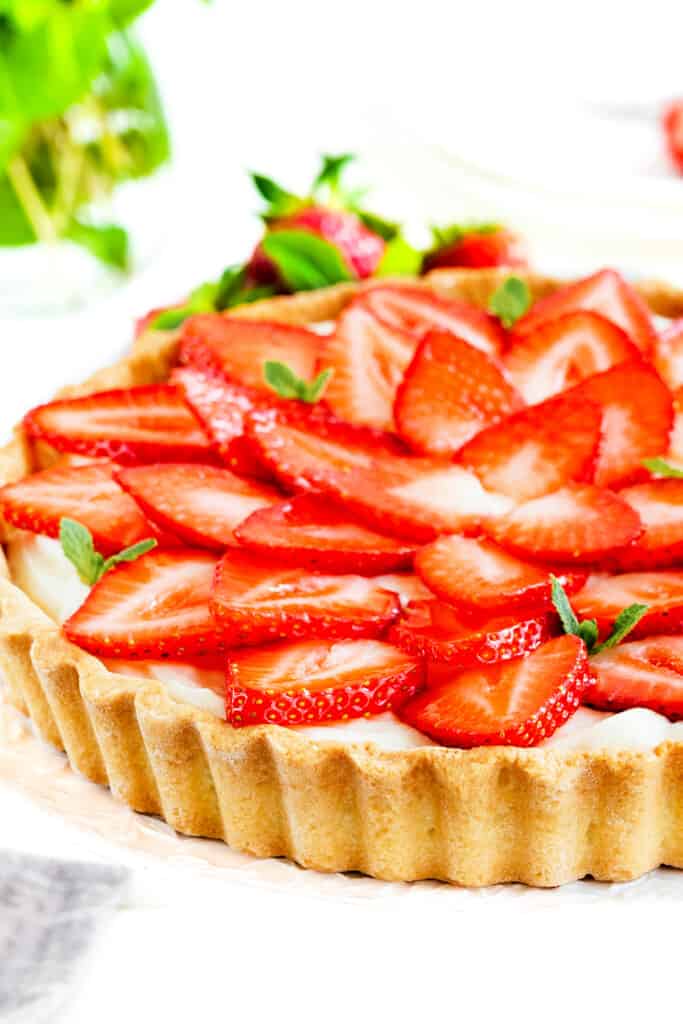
(473, 246)
(673, 130)
(340, 241)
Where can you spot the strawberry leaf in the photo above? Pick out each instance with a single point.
(77, 545)
(331, 171)
(662, 468)
(305, 262)
(510, 300)
(452, 233)
(281, 379)
(281, 203)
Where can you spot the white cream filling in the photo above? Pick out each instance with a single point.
(40, 568)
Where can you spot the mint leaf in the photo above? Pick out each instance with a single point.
(569, 621)
(399, 258)
(305, 262)
(510, 300)
(662, 468)
(281, 379)
(129, 554)
(77, 545)
(313, 391)
(588, 629)
(201, 300)
(623, 625)
(107, 242)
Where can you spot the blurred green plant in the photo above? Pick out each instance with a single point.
(79, 114)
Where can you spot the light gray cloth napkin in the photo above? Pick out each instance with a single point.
(49, 911)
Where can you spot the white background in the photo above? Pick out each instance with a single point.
(507, 87)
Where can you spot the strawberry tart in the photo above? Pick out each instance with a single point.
(384, 577)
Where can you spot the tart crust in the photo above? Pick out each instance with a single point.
(473, 817)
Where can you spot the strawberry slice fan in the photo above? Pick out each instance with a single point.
(433, 510)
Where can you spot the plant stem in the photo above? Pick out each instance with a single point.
(30, 199)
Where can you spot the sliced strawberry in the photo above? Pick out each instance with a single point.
(419, 311)
(404, 496)
(643, 674)
(637, 419)
(660, 507)
(201, 504)
(157, 606)
(479, 577)
(559, 353)
(368, 358)
(449, 393)
(539, 449)
(604, 598)
(255, 603)
(407, 586)
(221, 408)
(675, 451)
(668, 357)
(88, 494)
(434, 630)
(318, 681)
(514, 703)
(579, 523)
(310, 532)
(237, 349)
(144, 424)
(605, 292)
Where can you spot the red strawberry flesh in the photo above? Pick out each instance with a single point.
(318, 681)
(642, 674)
(201, 504)
(603, 600)
(518, 702)
(310, 532)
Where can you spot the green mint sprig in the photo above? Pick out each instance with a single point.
(510, 301)
(285, 382)
(663, 468)
(78, 546)
(587, 629)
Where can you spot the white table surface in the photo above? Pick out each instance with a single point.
(255, 942)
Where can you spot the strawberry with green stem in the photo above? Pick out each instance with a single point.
(474, 245)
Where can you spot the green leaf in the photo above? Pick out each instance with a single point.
(201, 300)
(623, 624)
(281, 379)
(130, 554)
(313, 391)
(331, 171)
(285, 382)
(588, 631)
(386, 229)
(305, 262)
(399, 258)
(569, 621)
(510, 300)
(124, 11)
(15, 228)
(663, 468)
(107, 242)
(232, 289)
(77, 545)
(281, 203)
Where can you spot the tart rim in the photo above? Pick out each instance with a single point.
(475, 817)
